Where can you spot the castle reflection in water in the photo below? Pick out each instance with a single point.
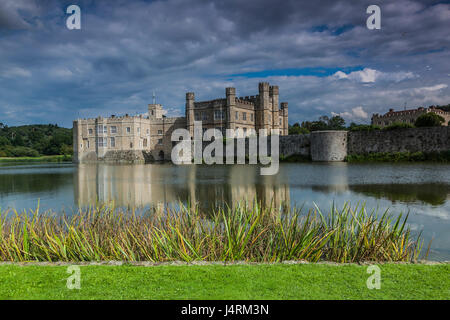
(157, 185)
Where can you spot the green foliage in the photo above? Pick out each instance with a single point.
(429, 119)
(20, 151)
(324, 123)
(43, 139)
(297, 129)
(55, 158)
(295, 158)
(398, 125)
(363, 127)
(400, 157)
(246, 232)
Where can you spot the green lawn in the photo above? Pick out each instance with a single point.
(55, 158)
(279, 281)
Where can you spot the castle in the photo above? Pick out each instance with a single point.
(127, 138)
(407, 116)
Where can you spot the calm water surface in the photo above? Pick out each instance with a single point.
(421, 189)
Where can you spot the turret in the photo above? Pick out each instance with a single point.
(262, 114)
(284, 112)
(274, 96)
(190, 99)
(231, 104)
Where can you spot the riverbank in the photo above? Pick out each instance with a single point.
(400, 157)
(54, 158)
(263, 281)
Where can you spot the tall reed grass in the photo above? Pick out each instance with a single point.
(246, 232)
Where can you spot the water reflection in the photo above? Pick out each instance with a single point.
(435, 194)
(208, 187)
(421, 189)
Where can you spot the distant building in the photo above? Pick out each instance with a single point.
(407, 116)
(99, 138)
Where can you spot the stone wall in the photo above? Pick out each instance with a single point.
(322, 145)
(400, 140)
(329, 145)
(295, 145)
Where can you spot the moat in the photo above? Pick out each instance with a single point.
(421, 189)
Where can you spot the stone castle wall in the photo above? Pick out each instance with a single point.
(322, 145)
(433, 139)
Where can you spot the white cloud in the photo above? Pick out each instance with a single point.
(13, 72)
(356, 113)
(368, 75)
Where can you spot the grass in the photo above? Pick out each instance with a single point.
(277, 281)
(249, 233)
(54, 158)
(443, 156)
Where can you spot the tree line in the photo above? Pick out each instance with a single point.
(35, 140)
(338, 123)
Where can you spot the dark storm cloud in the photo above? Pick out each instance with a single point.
(127, 49)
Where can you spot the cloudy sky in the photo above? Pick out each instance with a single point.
(320, 53)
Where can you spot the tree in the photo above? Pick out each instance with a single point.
(297, 129)
(429, 119)
(336, 123)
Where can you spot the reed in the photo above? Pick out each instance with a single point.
(243, 233)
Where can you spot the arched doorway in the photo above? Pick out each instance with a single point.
(161, 155)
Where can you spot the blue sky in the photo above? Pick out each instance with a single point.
(321, 55)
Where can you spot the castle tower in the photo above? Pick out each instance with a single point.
(284, 112)
(155, 111)
(263, 109)
(190, 100)
(274, 96)
(231, 106)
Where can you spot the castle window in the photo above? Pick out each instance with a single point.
(219, 114)
(145, 142)
(88, 144)
(112, 142)
(139, 130)
(197, 116)
(148, 131)
(251, 117)
(100, 129)
(160, 132)
(160, 141)
(245, 131)
(91, 131)
(280, 121)
(128, 130)
(113, 129)
(105, 129)
(204, 116)
(244, 116)
(237, 115)
(102, 142)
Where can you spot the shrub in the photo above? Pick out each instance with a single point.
(429, 119)
(363, 127)
(23, 152)
(398, 125)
